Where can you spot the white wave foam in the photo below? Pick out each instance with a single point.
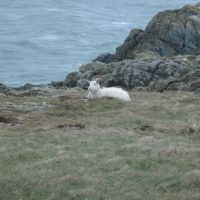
(121, 24)
(49, 37)
(54, 10)
(14, 16)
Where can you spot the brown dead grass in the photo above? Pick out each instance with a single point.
(192, 179)
(66, 147)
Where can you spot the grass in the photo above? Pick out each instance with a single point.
(61, 146)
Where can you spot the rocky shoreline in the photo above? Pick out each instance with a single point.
(164, 56)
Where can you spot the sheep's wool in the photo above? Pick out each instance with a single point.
(95, 91)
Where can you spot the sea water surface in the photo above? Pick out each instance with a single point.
(43, 40)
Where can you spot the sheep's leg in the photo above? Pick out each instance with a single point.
(90, 96)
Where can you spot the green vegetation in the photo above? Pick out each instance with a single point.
(56, 145)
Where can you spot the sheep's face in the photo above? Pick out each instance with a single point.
(94, 87)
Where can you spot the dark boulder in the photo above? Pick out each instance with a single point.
(57, 84)
(173, 32)
(126, 50)
(105, 58)
(27, 86)
(83, 83)
(72, 79)
(5, 90)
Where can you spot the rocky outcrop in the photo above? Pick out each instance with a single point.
(30, 89)
(169, 33)
(125, 51)
(72, 79)
(162, 57)
(147, 71)
(4, 90)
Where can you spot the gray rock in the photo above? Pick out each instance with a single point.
(197, 91)
(72, 79)
(5, 89)
(173, 32)
(126, 50)
(57, 84)
(150, 72)
(169, 33)
(83, 83)
(105, 58)
(27, 86)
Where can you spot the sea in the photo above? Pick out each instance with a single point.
(44, 40)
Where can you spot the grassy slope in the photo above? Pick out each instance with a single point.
(146, 149)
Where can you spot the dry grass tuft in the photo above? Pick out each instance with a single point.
(192, 196)
(130, 147)
(115, 160)
(147, 140)
(171, 152)
(192, 179)
(168, 152)
(187, 129)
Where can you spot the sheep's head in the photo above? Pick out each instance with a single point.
(94, 86)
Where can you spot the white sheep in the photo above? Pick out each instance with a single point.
(95, 91)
